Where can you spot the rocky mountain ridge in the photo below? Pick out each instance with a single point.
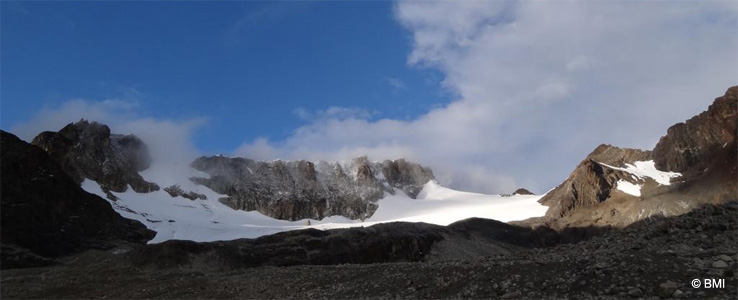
(301, 189)
(279, 189)
(702, 150)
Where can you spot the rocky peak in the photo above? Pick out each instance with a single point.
(702, 149)
(690, 146)
(45, 211)
(522, 191)
(87, 150)
(364, 175)
(615, 156)
(406, 176)
(590, 182)
(296, 190)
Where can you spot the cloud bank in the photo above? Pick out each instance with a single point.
(537, 86)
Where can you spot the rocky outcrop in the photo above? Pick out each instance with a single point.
(590, 182)
(296, 190)
(47, 212)
(522, 191)
(691, 147)
(87, 150)
(703, 150)
(176, 190)
(406, 176)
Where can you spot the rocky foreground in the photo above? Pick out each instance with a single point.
(655, 258)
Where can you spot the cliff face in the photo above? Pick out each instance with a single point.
(702, 150)
(89, 151)
(300, 189)
(591, 181)
(47, 212)
(691, 147)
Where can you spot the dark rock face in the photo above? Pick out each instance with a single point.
(590, 182)
(89, 151)
(406, 176)
(176, 190)
(522, 191)
(689, 147)
(300, 189)
(47, 212)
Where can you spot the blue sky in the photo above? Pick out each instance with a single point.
(245, 66)
(492, 95)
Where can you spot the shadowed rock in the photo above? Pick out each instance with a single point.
(691, 147)
(47, 212)
(522, 192)
(89, 151)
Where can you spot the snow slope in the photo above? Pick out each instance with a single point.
(640, 170)
(629, 188)
(209, 220)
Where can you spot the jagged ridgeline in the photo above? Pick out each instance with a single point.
(297, 190)
(291, 190)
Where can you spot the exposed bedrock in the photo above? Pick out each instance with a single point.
(702, 150)
(294, 190)
(87, 150)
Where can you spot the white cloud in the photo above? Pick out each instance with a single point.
(334, 113)
(396, 83)
(168, 140)
(539, 85)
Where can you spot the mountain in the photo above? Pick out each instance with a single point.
(694, 163)
(282, 190)
(223, 198)
(298, 190)
(626, 222)
(89, 151)
(46, 214)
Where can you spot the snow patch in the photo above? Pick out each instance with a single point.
(629, 188)
(642, 169)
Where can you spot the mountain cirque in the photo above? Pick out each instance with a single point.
(291, 190)
(626, 223)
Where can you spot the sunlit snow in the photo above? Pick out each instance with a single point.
(629, 188)
(642, 169)
(209, 220)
